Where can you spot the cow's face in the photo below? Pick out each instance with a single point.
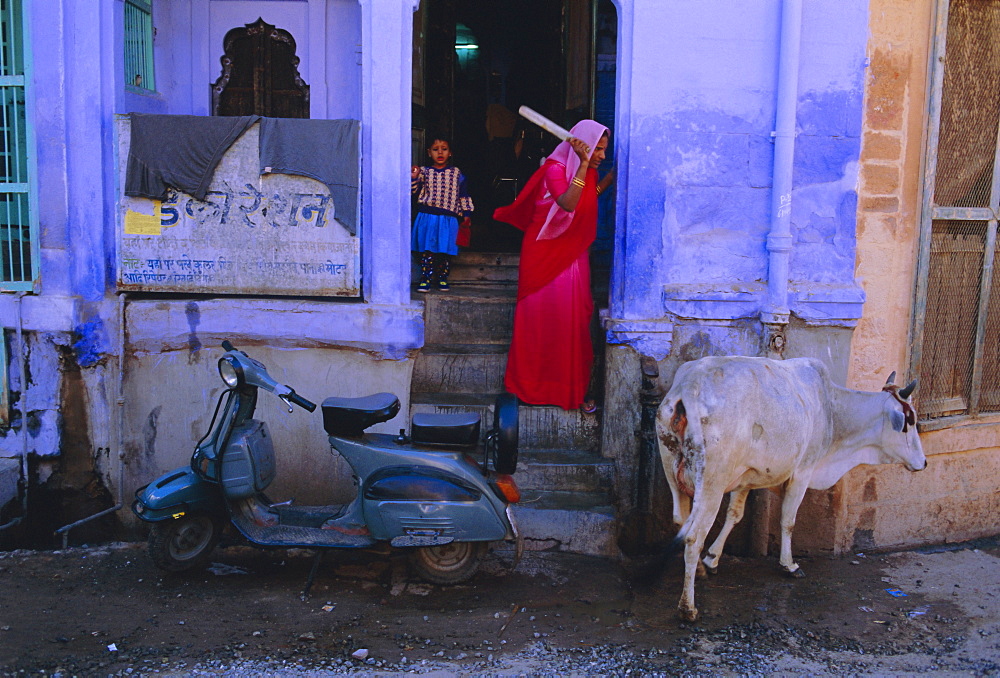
(900, 441)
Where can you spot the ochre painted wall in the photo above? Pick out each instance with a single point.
(956, 497)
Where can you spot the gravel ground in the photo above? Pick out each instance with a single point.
(106, 611)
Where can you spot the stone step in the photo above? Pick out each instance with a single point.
(576, 522)
(542, 427)
(460, 368)
(485, 268)
(469, 314)
(563, 470)
(549, 427)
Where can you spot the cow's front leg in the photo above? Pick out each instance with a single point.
(734, 514)
(794, 492)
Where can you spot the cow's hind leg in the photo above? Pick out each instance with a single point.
(705, 508)
(794, 491)
(734, 514)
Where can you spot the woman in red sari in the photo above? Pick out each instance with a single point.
(551, 353)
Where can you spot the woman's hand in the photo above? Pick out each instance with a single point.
(414, 172)
(581, 148)
(608, 179)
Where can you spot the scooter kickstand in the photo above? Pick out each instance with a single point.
(304, 596)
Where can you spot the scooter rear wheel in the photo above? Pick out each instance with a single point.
(185, 543)
(451, 563)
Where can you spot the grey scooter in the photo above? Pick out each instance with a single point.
(423, 492)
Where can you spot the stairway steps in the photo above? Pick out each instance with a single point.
(578, 522)
(469, 315)
(460, 368)
(564, 481)
(566, 470)
(484, 269)
(541, 426)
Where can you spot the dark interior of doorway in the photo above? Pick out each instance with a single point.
(477, 61)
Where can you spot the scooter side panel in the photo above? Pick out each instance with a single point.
(419, 514)
(461, 521)
(179, 491)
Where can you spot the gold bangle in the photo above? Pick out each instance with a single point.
(599, 189)
(577, 181)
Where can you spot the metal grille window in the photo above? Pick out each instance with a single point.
(18, 234)
(139, 44)
(957, 321)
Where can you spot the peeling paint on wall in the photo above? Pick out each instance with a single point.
(90, 344)
(36, 404)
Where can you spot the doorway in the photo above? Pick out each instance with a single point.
(477, 61)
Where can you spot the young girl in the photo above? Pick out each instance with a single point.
(441, 202)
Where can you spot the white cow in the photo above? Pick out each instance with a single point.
(734, 424)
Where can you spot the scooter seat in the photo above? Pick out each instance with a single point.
(460, 429)
(351, 416)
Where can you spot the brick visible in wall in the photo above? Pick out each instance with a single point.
(888, 73)
(880, 203)
(881, 146)
(880, 179)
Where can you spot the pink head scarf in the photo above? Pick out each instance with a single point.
(590, 132)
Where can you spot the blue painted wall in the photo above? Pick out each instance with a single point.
(697, 95)
(696, 89)
(695, 107)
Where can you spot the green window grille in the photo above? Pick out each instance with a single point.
(956, 348)
(139, 45)
(18, 232)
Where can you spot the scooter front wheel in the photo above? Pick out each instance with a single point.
(183, 544)
(451, 563)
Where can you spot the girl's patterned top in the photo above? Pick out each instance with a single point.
(442, 189)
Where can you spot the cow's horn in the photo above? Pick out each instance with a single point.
(892, 378)
(905, 392)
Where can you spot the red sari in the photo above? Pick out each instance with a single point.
(551, 353)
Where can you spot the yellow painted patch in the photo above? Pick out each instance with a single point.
(137, 223)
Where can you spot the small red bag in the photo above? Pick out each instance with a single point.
(464, 233)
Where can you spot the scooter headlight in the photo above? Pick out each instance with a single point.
(231, 372)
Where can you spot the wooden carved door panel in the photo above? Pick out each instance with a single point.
(260, 74)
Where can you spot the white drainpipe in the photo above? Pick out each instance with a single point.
(774, 314)
(779, 239)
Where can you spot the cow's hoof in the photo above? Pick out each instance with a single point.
(711, 570)
(688, 615)
(797, 573)
(699, 571)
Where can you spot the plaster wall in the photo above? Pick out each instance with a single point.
(70, 323)
(955, 498)
(189, 42)
(895, 117)
(697, 101)
(166, 423)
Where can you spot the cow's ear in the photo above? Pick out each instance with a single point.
(898, 420)
(905, 392)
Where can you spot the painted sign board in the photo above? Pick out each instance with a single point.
(255, 234)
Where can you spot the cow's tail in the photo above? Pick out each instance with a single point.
(677, 434)
(684, 432)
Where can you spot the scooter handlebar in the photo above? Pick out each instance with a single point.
(296, 399)
(226, 346)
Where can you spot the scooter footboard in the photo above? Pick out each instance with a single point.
(462, 521)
